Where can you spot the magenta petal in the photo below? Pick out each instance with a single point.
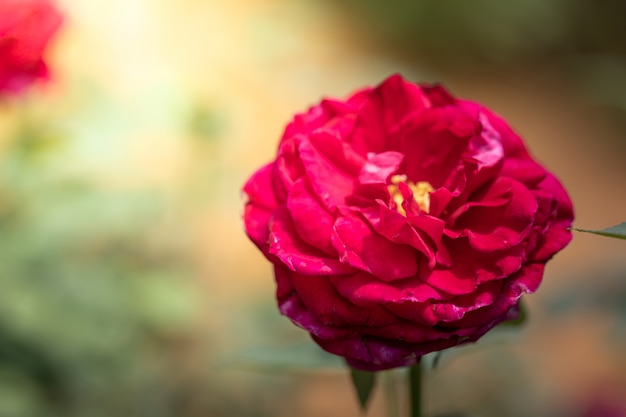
(259, 188)
(512, 143)
(322, 299)
(336, 151)
(478, 267)
(297, 254)
(260, 206)
(485, 295)
(364, 290)
(316, 117)
(312, 222)
(447, 281)
(365, 249)
(433, 142)
(526, 281)
(439, 96)
(288, 166)
(497, 227)
(330, 183)
(414, 231)
(523, 282)
(387, 106)
(558, 219)
(256, 220)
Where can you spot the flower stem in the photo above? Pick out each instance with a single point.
(415, 390)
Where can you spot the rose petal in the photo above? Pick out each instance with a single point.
(492, 226)
(330, 183)
(379, 167)
(470, 267)
(312, 222)
(364, 290)
(297, 254)
(433, 142)
(416, 231)
(361, 247)
(525, 281)
(387, 106)
(320, 297)
(260, 206)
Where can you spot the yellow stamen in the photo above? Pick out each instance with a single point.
(421, 193)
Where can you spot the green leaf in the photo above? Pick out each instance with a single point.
(363, 382)
(618, 232)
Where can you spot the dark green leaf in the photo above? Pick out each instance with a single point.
(363, 382)
(618, 232)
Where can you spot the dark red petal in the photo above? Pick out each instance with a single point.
(363, 248)
(322, 299)
(371, 353)
(438, 95)
(512, 143)
(526, 281)
(456, 309)
(312, 222)
(364, 290)
(470, 264)
(336, 151)
(387, 106)
(492, 226)
(558, 220)
(433, 142)
(410, 332)
(331, 184)
(448, 281)
(422, 232)
(291, 306)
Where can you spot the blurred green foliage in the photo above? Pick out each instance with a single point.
(95, 308)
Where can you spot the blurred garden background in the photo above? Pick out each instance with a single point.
(127, 285)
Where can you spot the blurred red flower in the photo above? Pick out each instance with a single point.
(403, 221)
(26, 26)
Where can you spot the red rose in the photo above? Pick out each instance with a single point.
(25, 29)
(403, 221)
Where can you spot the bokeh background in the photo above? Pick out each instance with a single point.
(127, 285)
